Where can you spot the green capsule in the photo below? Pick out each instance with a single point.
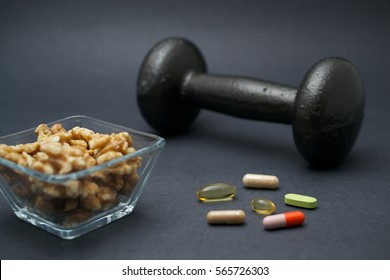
(216, 192)
(263, 206)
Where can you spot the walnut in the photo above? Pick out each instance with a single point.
(42, 131)
(77, 216)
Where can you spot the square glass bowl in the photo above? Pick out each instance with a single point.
(60, 204)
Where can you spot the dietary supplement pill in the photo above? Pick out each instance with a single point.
(288, 219)
(299, 200)
(216, 192)
(228, 217)
(260, 181)
(263, 206)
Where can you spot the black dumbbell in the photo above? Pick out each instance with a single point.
(326, 111)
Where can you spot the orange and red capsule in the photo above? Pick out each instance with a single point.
(287, 219)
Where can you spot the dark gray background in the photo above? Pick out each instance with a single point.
(61, 58)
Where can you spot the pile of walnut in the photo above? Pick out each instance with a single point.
(58, 151)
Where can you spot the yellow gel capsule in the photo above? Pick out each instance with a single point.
(263, 206)
(216, 192)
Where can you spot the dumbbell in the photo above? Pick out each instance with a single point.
(326, 111)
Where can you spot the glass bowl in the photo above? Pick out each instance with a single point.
(56, 203)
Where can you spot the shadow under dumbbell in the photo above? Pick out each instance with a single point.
(248, 138)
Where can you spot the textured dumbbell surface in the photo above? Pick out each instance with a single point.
(326, 111)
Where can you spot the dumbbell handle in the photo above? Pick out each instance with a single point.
(241, 97)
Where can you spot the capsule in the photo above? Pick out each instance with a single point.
(259, 181)
(263, 206)
(227, 217)
(287, 219)
(216, 192)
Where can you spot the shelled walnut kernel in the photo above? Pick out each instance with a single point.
(58, 151)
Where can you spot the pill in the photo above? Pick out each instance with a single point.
(227, 217)
(299, 200)
(263, 206)
(216, 192)
(260, 181)
(288, 219)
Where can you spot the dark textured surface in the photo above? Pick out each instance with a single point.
(60, 58)
(328, 112)
(160, 81)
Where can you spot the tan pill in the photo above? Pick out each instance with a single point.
(228, 217)
(260, 181)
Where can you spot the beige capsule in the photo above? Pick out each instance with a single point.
(228, 217)
(260, 181)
